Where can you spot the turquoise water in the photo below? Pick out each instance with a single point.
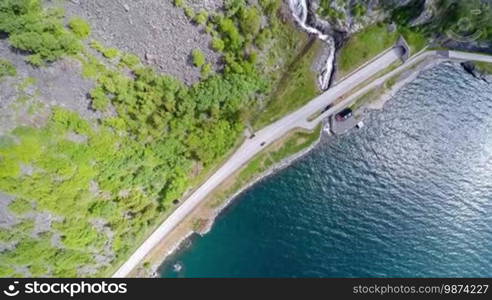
(410, 194)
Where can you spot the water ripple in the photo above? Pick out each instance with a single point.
(408, 195)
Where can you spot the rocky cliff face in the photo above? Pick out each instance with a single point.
(429, 11)
(334, 21)
(341, 18)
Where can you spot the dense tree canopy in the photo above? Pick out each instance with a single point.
(134, 163)
(36, 30)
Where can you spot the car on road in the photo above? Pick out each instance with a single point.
(327, 107)
(344, 114)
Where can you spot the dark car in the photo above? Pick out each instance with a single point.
(344, 114)
(327, 107)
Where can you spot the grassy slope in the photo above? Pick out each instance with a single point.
(199, 219)
(289, 45)
(287, 146)
(6, 68)
(363, 46)
(370, 42)
(297, 86)
(417, 41)
(116, 168)
(375, 93)
(484, 67)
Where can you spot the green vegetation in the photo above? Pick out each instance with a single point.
(27, 82)
(201, 17)
(297, 142)
(137, 176)
(206, 70)
(7, 68)
(358, 10)
(416, 40)
(275, 153)
(372, 40)
(198, 58)
(218, 44)
(464, 19)
(80, 27)
(100, 101)
(200, 62)
(179, 3)
(365, 45)
(265, 160)
(189, 12)
(109, 53)
(483, 67)
(127, 171)
(375, 93)
(368, 97)
(297, 87)
(20, 206)
(130, 60)
(36, 107)
(403, 15)
(416, 37)
(250, 21)
(327, 11)
(38, 31)
(238, 34)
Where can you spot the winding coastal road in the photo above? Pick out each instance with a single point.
(274, 131)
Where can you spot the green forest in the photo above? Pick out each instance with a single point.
(126, 171)
(109, 182)
(461, 18)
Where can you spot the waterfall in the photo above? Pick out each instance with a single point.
(300, 13)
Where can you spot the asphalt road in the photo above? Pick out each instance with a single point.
(274, 131)
(470, 56)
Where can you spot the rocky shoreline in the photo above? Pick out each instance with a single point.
(376, 104)
(473, 70)
(188, 236)
(217, 211)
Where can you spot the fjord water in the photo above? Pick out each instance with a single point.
(408, 195)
